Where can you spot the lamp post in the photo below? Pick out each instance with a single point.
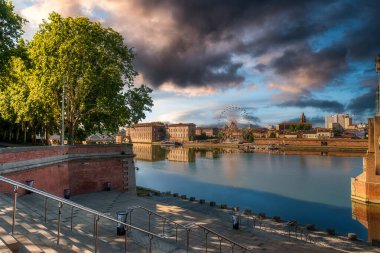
(377, 66)
(63, 117)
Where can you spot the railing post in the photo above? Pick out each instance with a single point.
(96, 232)
(163, 226)
(130, 216)
(46, 199)
(59, 221)
(187, 239)
(206, 240)
(150, 243)
(149, 213)
(71, 220)
(220, 245)
(15, 188)
(176, 232)
(125, 238)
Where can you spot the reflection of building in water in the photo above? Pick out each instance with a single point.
(146, 132)
(148, 152)
(181, 154)
(181, 132)
(209, 154)
(369, 216)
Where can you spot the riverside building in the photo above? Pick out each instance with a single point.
(181, 132)
(146, 132)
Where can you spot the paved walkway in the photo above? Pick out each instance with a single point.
(257, 235)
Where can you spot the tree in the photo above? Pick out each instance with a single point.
(10, 31)
(94, 68)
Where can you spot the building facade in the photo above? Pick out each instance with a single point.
(344, 121)
(181, 132)
(146, 133)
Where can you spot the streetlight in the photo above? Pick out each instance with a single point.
(63, 116)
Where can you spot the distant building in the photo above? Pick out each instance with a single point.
(146, 132)
(318, 134)
(181, 132)
(294, 126)
(211, 132)
(343, 121)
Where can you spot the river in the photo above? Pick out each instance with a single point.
(311, 189)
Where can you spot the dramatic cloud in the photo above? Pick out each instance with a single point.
(308, 70)
(203, 47)
(364, 104)
(325, 105)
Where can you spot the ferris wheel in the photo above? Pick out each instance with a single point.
(233, 113)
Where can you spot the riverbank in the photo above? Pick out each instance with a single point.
(271, 233)
(259, 147)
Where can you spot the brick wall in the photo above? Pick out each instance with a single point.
(80, 174)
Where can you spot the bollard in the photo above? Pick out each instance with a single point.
(66, 193)
(29, 182)
(351, 236)
(121, 216)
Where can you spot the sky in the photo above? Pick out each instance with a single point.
(260, 62)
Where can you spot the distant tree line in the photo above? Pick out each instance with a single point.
(74, 59)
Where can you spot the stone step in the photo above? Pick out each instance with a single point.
(4, 248)
(84, 226)
(10, 242)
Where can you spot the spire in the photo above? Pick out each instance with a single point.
(302, 118)
(377, 66)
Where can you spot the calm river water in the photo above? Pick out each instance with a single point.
(311, 189)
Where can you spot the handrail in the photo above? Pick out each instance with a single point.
(62, 201)
(159, 215)
(224, 238)
(195, 224)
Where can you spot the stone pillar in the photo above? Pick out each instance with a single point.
(376, 130)
(129, 176)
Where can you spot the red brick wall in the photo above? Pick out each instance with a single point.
(80, 176)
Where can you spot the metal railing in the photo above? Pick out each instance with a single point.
(61, 202)
(290, 229)
(188, 229)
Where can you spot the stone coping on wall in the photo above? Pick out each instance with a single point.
(65, 153)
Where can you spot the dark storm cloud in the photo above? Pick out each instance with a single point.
(316, 68)
(207, 34)
(188, 61)
(364, 104)
(325, 105)
(313, 120)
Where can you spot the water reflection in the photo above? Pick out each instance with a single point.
(148, 152)
(286, 185)
(369, 216)
(181, 154)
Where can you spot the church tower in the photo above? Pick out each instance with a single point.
(302, 118)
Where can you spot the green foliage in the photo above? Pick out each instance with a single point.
(89, 64)
(248, 135)
(299, 127)
(272, 135)
(201, 137)
(10, 31)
